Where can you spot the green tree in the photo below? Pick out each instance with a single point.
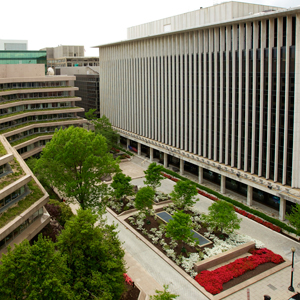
(65, 212)
(91, 114)
(164, 295)
(94, 256)
(104, 127)
(179, 228)
(121, 185)
(144, 199)
(153, 175)
(222, 217)
(294, 217)
(34, 272)
(184, 194)
(74, 161)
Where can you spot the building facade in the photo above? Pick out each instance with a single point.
(69, 56)
(32, 107)
(87, 81)
(23, 57)
(221, 98)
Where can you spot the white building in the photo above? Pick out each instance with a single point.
(216, 91)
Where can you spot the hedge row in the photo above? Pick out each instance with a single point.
(236, 203)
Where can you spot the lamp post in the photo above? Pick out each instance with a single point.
(291, 288)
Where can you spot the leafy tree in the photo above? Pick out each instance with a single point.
(34, 272)
(91, 114)
(222, 217)
(144, 199)
(104, 127)
(94, 256)
(153, 175)
(179, 228)
(164, 295)
(184, 194)
(294, 217)
(74, 161)
(62, 212)
(121, 185)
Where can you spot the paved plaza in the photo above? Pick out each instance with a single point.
(275, 285)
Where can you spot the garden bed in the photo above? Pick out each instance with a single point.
(154, 232)
(127, 202)
(131, 293)
(241, 269)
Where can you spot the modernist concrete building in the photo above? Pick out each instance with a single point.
(216, 92)
(32, 107)
(68, 56)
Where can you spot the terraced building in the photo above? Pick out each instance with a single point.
(32, 107)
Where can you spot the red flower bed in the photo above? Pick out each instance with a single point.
(258, 220)
(213, 281)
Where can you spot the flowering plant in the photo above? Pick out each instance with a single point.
(213, 281)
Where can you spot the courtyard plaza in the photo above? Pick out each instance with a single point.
(150, 272)
(276, 285)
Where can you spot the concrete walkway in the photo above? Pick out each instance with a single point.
(275, 285)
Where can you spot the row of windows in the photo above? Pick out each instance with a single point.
(28, 107)
(33, 96)
(20, 121)
(33, 85)
(12, 196)
(20, 228)
(33, 146)
(34, 131)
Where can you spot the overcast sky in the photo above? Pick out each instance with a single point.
(90, 22)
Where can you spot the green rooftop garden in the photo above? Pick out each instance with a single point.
(2, 150)
(23, 204)
(17, 173)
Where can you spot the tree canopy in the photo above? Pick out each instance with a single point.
(94, 256)
(104, 127)
(222, 217)
(34, 272)
(144, 199)
(87, 262)
(179, 228)
(153, 175)
(184, 194)
(121, 185)
(74, 161)
(91, 114)
(294, 217)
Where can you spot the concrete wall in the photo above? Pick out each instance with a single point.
(208, 15)
(63, 51)
(23, 70)
(79, 70)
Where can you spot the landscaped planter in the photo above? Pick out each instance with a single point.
(213, 281)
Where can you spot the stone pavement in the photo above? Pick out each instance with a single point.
(275, 285)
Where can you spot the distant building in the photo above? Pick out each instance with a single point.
(23, 57)
(69, 56)
(9, 45)
(87, 80)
